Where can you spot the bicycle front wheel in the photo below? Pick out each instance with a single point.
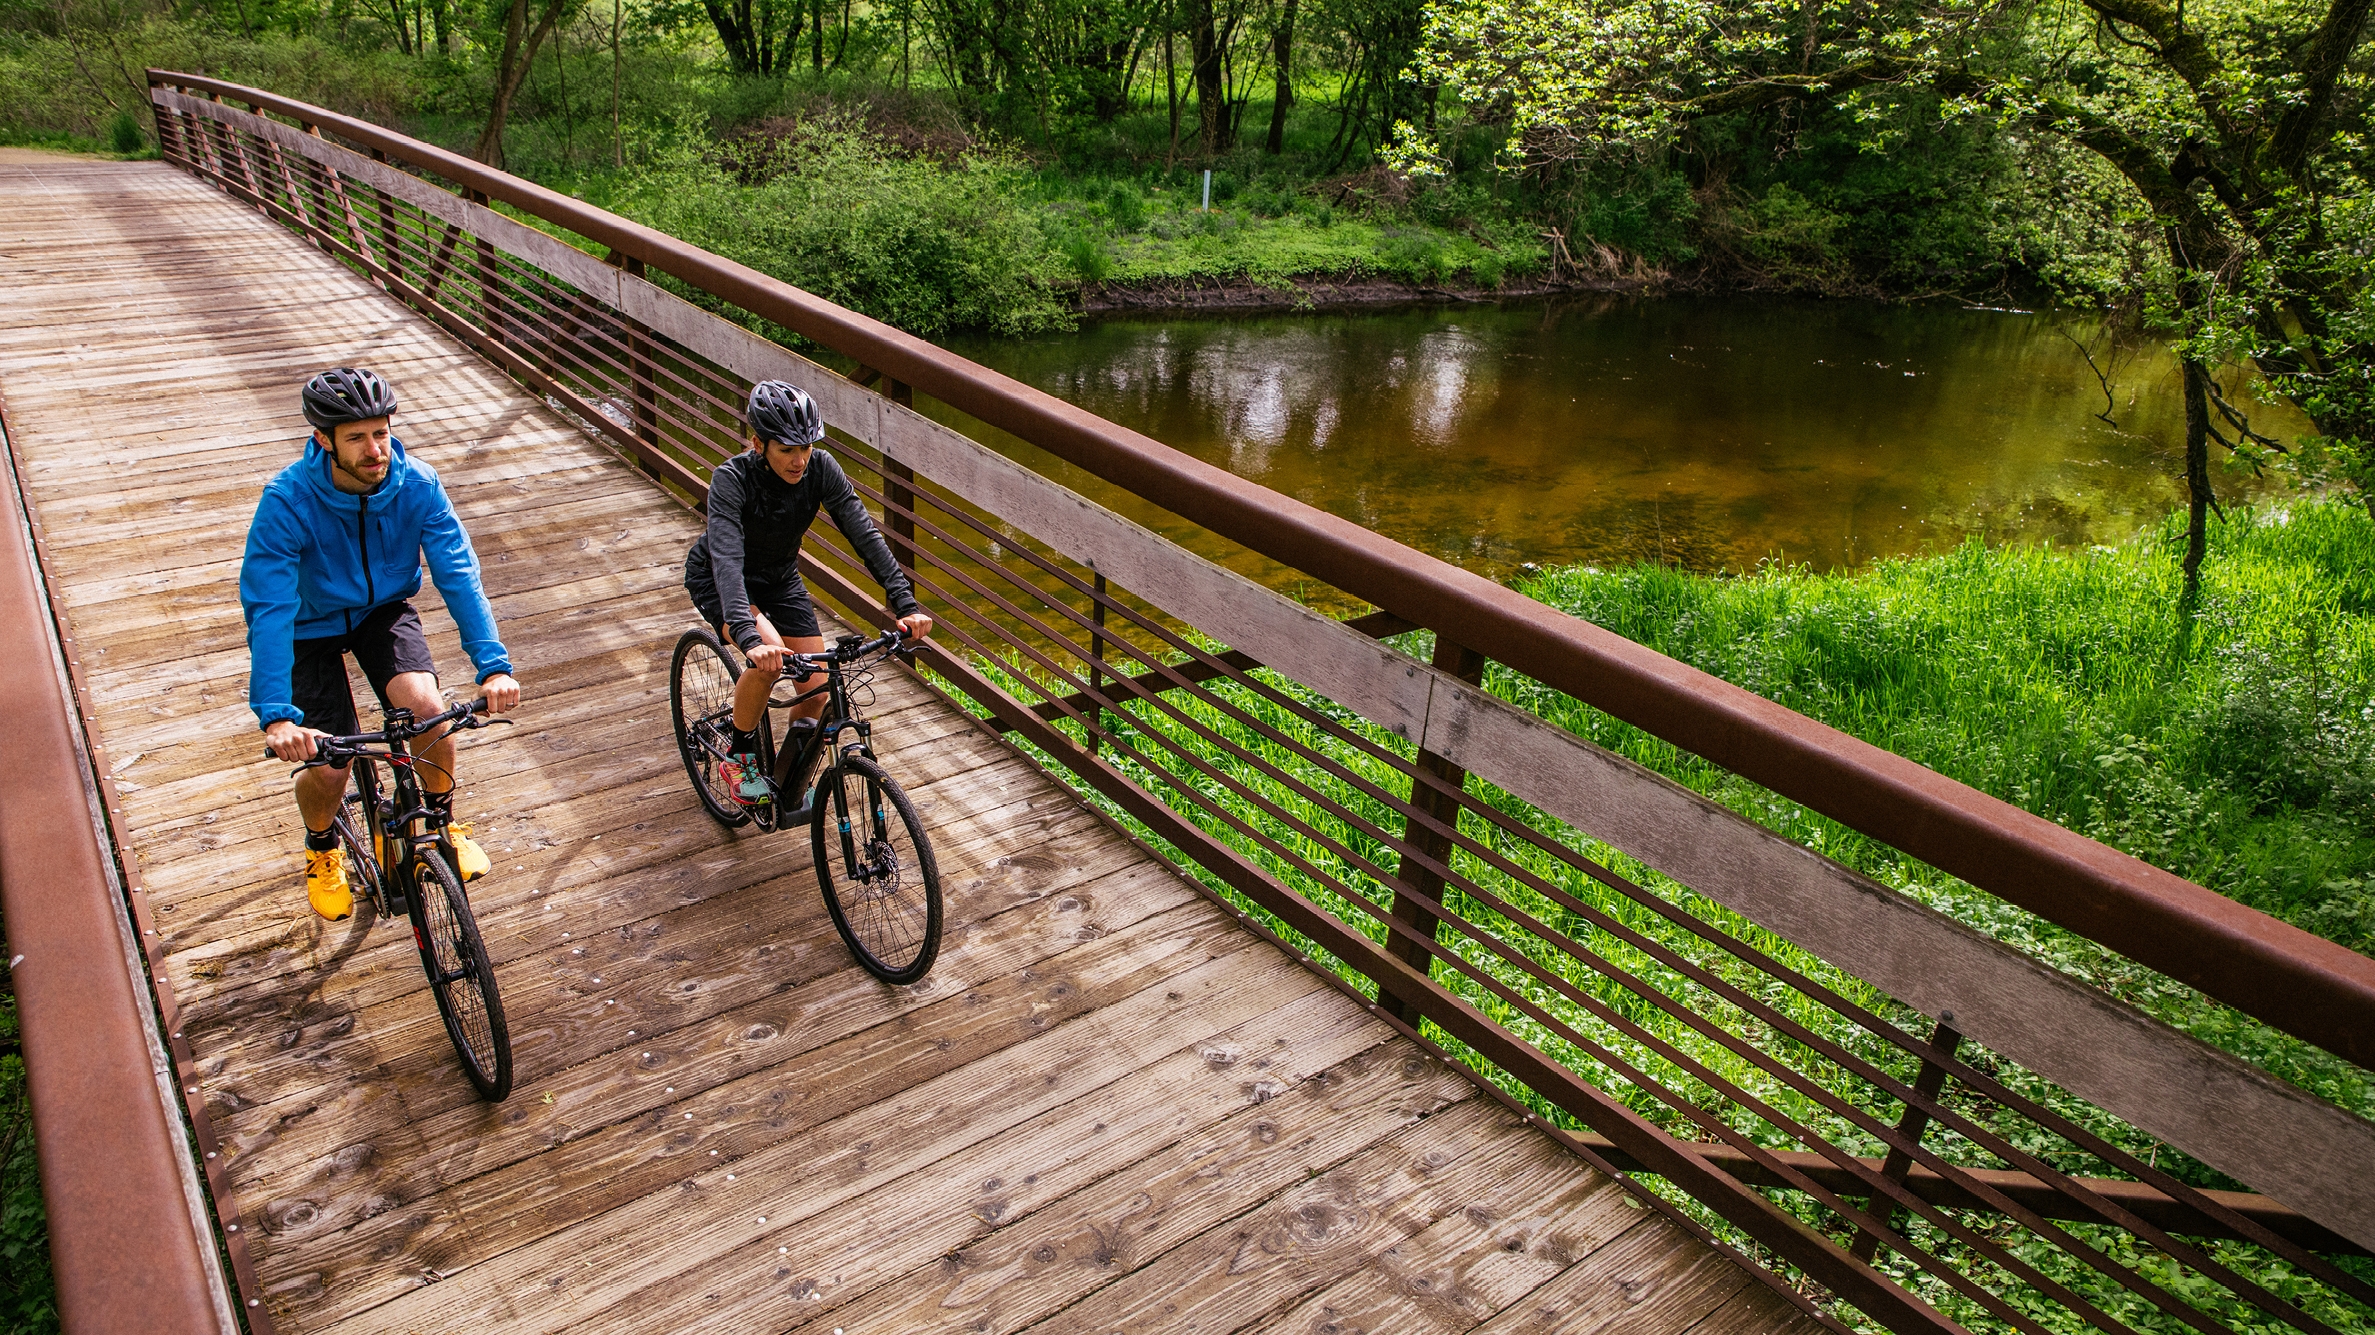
(875, 865)
(701, 698)
(461, 975)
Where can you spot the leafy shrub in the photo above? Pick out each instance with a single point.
(1088, 257)
(123, 134)
(928, 248)
(1415, 256)
(28, 1293)
(1488, 270)
(1125, 208)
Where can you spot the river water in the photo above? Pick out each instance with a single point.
(1707, 433)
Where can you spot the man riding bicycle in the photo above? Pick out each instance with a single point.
(333, 557)
(743, 572)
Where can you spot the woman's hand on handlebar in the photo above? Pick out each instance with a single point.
(916, 627)
(290, 741)
(768, 658)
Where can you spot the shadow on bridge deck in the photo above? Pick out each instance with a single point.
(1109, 1107)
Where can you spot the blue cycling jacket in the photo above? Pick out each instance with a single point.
(318, 559)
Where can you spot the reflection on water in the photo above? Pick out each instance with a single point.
(1706, 433)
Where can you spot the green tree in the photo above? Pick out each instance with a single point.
(2237, 124)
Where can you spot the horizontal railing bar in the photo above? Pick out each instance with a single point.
(1375, 625)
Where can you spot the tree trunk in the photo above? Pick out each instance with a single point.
(1171, 85)
(1211, 95)
(816, 48)
(2199, 498)
(437, 22)
(618, 143)
(1282, 48)
(512, 71)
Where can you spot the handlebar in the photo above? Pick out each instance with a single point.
(328, 750)
(851, 648)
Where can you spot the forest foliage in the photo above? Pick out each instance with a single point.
(1093, 121)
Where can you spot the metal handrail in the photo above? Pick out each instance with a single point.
(2291, 979)
(1415, 888)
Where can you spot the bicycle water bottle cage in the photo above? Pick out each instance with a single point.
(801, 727)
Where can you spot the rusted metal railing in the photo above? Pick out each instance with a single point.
(1910, 1124)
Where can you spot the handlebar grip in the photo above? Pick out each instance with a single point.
(479, 706)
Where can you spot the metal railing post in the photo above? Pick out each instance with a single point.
(1913, 1124)
(490, 315)
(391, 253)
(898, 485)
(1097, 660)
(643, 390)
(1417, 883)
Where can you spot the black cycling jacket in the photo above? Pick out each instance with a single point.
(756, 522)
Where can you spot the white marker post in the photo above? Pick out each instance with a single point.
(1208, 190)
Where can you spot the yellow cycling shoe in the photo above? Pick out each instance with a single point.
(325, 883)
(469, 859)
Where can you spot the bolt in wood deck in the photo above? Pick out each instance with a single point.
(1109, 1108)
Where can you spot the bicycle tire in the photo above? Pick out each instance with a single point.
(701, 684)
(460, 974)
(361, 867)
(889, 914)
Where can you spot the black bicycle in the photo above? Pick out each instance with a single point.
(873, 861)
(404, 859)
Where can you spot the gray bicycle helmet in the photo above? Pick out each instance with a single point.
(784, 414)
(346, 394)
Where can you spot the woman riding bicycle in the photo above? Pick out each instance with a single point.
(743, 573)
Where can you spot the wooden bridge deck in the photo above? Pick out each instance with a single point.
(1110, 1108)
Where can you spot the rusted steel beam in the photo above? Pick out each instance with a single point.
(2296, 981)
(1927, 1082)
(1419, 884)
(125, 1244)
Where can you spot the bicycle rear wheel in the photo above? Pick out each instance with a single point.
(881, 883)
(460, 975)
(701, 698)
(354, 828)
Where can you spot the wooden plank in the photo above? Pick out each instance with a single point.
(1023, 1222)
(548, 1284)
(1000, 1266)
(858, 1040)
(1517, 1231)
(1310, 1236)
(1655, 1278)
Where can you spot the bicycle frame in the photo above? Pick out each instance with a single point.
(794, 767)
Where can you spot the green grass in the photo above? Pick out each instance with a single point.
(28, 1295)
(2231, 745)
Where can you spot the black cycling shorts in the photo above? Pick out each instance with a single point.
(783, 602)
(386, 641)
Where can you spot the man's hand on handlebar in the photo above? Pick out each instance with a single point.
(291, 742)
(768, 657)
(502, 693)
(916, 628)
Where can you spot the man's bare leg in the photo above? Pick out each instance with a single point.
(319, 791)
(417, 691)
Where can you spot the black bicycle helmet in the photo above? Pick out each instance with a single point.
(784, 414)
(336, 397)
